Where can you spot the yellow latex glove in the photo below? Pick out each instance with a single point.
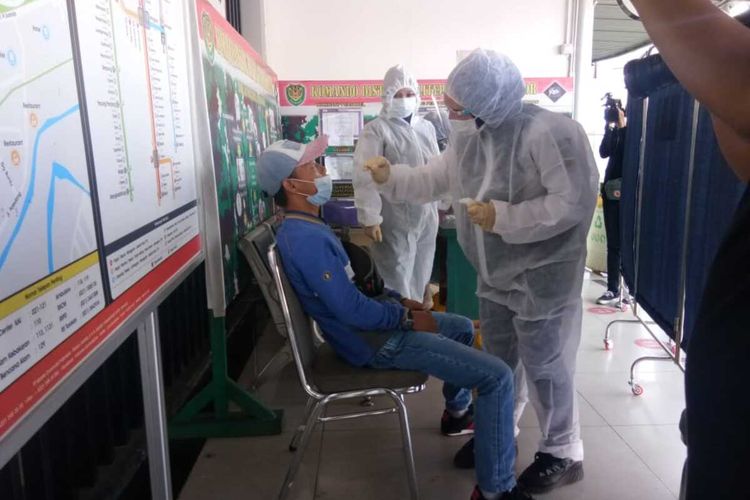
(380, 169)
(374, 233)
(482, 214)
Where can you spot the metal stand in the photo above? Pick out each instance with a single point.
(669, 348)
(253, 419)
(154, 409)
(672, 349)
(622, 305)
(672, 354)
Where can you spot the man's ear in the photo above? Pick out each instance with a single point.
(287, 184)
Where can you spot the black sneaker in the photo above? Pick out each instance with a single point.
(549, 472)
(514, 494)
(609, 298)
(461, 426)
(464, 458)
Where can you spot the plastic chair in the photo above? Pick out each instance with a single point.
(327, 378)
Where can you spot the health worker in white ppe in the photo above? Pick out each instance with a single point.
(524, 185)
(404, 232)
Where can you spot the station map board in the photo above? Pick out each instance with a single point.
(97, 179)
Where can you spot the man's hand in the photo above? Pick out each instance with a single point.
(482, 214)
(713, 68)
(374, 233)
(412, 305)
(424, 322)
(380, 169)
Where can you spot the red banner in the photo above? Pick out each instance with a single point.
(329, 92)
(221, 39)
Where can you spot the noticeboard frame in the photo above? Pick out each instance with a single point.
(144, 308)
(37, 416)
(322, 111)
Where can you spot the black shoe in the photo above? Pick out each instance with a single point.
(549, 472)
(461, 426)
(514, 494)
(464, 458)
(609, 298)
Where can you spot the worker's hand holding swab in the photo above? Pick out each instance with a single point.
(482, 214)
(380, 169)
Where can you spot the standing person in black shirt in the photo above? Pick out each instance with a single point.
(708, 52)
(612, 147)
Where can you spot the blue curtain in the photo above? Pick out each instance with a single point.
(716, 192)
(663, 204)
(628, 200)
(715, 195)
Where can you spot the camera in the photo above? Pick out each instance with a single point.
(611, 109)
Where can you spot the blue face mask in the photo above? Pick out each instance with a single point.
(324, 185)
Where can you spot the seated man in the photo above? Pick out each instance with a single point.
(387, 334)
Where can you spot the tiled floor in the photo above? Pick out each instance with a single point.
(633, 447)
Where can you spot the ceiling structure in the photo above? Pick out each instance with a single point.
(616, 34)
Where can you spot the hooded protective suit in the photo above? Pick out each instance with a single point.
(404, 257)
(537, 169)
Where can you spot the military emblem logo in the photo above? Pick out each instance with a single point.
(295, 94)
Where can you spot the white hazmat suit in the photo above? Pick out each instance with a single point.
(404, 257)
(537, 169)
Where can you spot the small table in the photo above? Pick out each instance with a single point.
(461, 278)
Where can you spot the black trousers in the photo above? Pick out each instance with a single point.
(716, 390)
(612, 228)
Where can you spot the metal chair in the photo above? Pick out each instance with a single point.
(255, 247)
(327, 378)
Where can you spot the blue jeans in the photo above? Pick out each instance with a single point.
(449, 356)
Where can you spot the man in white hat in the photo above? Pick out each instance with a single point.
(391, 333)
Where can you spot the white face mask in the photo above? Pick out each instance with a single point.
(464, 127)
(401, 107)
